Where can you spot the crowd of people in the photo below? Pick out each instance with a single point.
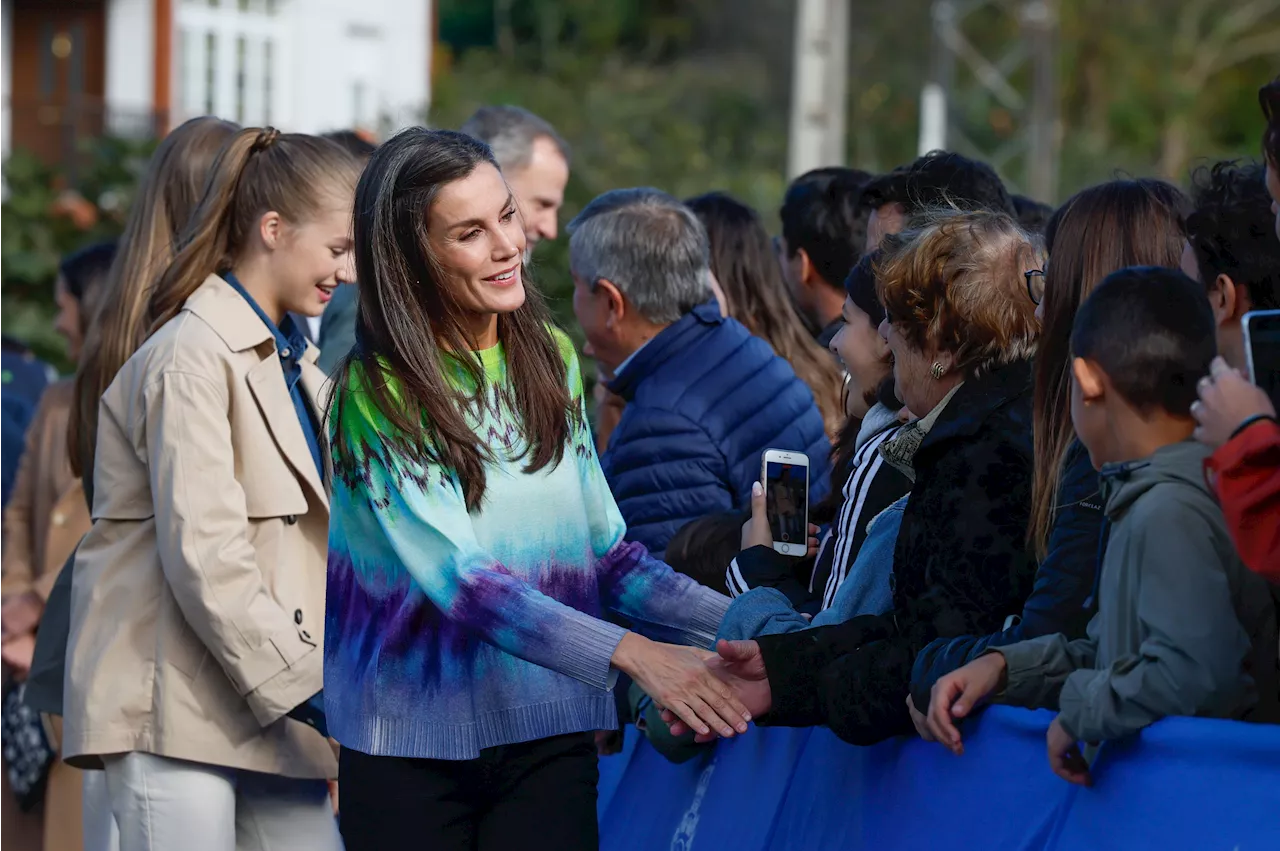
(327, 543)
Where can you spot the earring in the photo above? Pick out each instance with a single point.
(938, 371)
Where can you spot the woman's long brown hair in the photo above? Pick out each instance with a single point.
(743, 261)
(260, 170)
(409, 321)
(166, 198)
(1099, 230)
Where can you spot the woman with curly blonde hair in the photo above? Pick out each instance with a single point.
(962, 332)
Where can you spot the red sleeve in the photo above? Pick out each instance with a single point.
(1245, 472)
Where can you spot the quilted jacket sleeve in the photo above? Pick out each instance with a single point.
(664, 471)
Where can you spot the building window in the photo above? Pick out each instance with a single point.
(210, 71)
(268, 71)
(184, 70)
(357, 103)
(232, 53)
(241, 57)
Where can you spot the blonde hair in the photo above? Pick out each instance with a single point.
(258, 171)
(167, 196)
(955, 283)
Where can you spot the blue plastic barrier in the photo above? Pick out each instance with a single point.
(1183, 783)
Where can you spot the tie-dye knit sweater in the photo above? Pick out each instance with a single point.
(451, 631)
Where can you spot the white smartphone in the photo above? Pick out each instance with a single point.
(785, 476)
(1262, 350)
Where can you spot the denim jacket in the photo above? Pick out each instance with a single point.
(867, 591)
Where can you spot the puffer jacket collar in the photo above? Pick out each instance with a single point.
(669, 344)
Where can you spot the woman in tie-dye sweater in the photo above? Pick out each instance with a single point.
(474, 545)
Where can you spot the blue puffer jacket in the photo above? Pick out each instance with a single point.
(704, 399)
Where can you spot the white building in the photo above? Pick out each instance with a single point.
(76, 68)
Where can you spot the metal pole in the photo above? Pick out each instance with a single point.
(935, 97)
(819, 84)
(1040, 19)
(837, 79)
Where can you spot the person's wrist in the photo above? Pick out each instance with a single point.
(628, 652)
(1250, 421)
(999, 671)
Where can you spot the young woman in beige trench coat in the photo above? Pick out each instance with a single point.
(197, 616)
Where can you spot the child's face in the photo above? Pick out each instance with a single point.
(1088, 413)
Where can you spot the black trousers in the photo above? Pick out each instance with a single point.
(530, 796)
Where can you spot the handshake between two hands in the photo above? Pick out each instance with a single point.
(739, 667)
(957, 694)
(742, 684)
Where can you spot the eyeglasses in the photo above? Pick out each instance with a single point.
(1035, 285)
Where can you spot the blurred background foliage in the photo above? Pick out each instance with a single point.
(692, 95)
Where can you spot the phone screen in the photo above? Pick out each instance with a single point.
(1264, 351)
(787, 497)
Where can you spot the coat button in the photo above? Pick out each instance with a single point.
(58, 518)
(291, 519)
(297, 617)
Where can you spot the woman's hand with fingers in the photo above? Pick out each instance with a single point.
(740, 665)
(756, 531)
(679, 679)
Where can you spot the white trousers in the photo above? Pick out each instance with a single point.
(163, 804)
(100, 832)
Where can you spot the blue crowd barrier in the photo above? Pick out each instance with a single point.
(1183, 783)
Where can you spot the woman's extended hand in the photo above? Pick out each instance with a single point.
(678, 679)
(756, 531)
(741, 666)
(1226, 401)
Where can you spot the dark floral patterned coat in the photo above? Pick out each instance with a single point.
(961, 567)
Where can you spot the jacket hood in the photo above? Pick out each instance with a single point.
(1181, 463)
(877, 420)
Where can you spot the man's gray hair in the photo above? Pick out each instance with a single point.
(511, 131)
(648, 245)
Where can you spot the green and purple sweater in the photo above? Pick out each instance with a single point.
(449, 631)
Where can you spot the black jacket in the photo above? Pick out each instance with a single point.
(961, 566)
(1062, 599)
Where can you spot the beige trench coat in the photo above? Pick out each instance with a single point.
(197, 617)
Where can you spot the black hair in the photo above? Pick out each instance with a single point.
(941, 179)
(86, 267)
(352, 142)
(703, 548)
(1269, 100)
(860, 286)
(822, 214)
(1151, 330)
(1033, 215)
(1232, 230)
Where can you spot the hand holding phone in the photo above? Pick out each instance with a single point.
(785, 477)
(1261, 330)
